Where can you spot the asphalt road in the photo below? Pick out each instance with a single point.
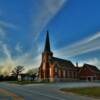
(46, 91)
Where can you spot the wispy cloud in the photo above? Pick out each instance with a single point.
(3, 26)
(28, 61)
(25, 59)
(7, 63)
(93, 61)
(8, 25)
(7, 52)
(2, 32)
(86, 45)
(46, 10)
(19, 48)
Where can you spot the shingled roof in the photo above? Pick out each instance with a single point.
(63, 62)
(92, 67)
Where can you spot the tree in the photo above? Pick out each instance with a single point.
(32, 71)
(17, 71)
(1, 77)
(33, 76)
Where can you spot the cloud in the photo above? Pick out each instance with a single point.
(3, 26)
(28, 60)
(6, 58)
(6, 63)
(6, 68)
(8, 25)
(94, 61)
(18, 48)
(45, 11)
(2, 32)
(6, 51)
(86, 45)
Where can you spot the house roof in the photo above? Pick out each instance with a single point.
(63, 62)
(92, 67)
(78, 68)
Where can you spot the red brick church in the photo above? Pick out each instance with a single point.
(57, 69)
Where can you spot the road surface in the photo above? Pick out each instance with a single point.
(44, 91)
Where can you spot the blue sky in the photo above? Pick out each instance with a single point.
(74, 27)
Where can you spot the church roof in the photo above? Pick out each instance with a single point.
(63, 62)
(47, 43)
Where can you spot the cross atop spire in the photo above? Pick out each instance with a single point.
(47, 43)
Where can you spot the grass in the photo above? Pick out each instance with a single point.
(87, 91)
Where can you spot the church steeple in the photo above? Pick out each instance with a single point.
(47, 43)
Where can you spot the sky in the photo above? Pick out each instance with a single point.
(73, 25)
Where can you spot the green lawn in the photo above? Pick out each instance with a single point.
(87, 91)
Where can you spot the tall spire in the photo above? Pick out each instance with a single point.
(47, 43)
